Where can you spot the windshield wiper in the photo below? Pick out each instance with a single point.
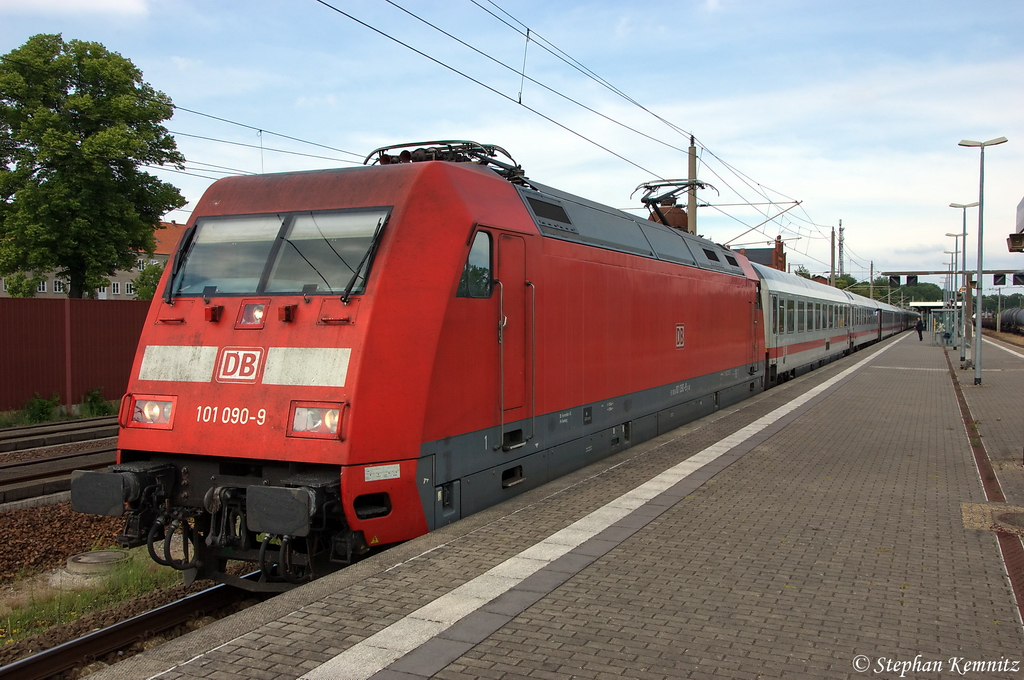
(326, 240)
(311, 266)
(179, 256)
(367, 256)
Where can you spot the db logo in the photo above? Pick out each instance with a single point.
(239, 364)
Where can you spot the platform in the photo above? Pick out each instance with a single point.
(834, 527)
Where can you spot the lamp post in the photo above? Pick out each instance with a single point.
(962, 323)
(981, 247)
(956, 249)
(952, 273)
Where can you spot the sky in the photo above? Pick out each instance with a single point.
(854, 109)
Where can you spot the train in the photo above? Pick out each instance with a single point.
(341, 360)
(1010, 320)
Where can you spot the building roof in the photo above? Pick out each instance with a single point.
(168, 237)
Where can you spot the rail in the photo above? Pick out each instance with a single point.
(54, 434)
(52, 467)
(95, 645)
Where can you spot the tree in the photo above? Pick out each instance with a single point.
(845, 280)
(923, 292)
(802, 271)
(993, 303)
(76, 123)
(147, 281)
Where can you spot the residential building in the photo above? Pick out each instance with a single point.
(120, 286)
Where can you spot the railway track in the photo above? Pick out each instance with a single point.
(54, 467)
(83, 651)
(37, 460)
(54, 434)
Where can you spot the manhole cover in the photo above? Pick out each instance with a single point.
(96, 561)
(1014, 519)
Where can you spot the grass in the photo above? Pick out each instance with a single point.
(40, 410)
(41, 608)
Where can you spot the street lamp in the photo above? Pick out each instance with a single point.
(956, 250)
(962, 316)
(952, 273)
(981, 233)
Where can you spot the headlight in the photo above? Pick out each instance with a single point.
(252, 315)
(316, 420)
(157, 412)
(330, 419)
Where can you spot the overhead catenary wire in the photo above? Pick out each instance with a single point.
(552, 49)
(528, 34)
(758, 188)
(268, 132)
(483, 85)
(176, 107)
(531, 36)
(589, 73)
(528, 78)
(262, 148)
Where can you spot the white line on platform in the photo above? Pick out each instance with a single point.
(1004, 348)
(385, 647)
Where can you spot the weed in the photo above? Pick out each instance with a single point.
(93, 404)
(39, 410)
(48, 608)
(12, 418)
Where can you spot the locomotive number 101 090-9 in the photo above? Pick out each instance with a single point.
(230, 415)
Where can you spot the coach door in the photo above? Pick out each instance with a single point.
(514, 347)
(777, 318)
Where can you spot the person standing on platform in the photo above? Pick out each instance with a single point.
(920, 329)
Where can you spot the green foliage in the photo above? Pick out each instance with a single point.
(845, 281)
(94, 405)
(147, 281)
(12, 418)
(991, 302)
(76, 123)
(39, 410)
(46, 609)
(21, 286)
(475, 282)
(802, 271)
(925, 292)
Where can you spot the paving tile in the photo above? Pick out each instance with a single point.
(836, 533)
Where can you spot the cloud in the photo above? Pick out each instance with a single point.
(75, 7)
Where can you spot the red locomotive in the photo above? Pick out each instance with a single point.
(346, 359)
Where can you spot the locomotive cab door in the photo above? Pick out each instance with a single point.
(756, 312)
(515, 301)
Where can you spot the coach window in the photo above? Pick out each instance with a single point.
(476, 276)
(790, 316)
(801, 316)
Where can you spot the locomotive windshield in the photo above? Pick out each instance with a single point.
(282, 253)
